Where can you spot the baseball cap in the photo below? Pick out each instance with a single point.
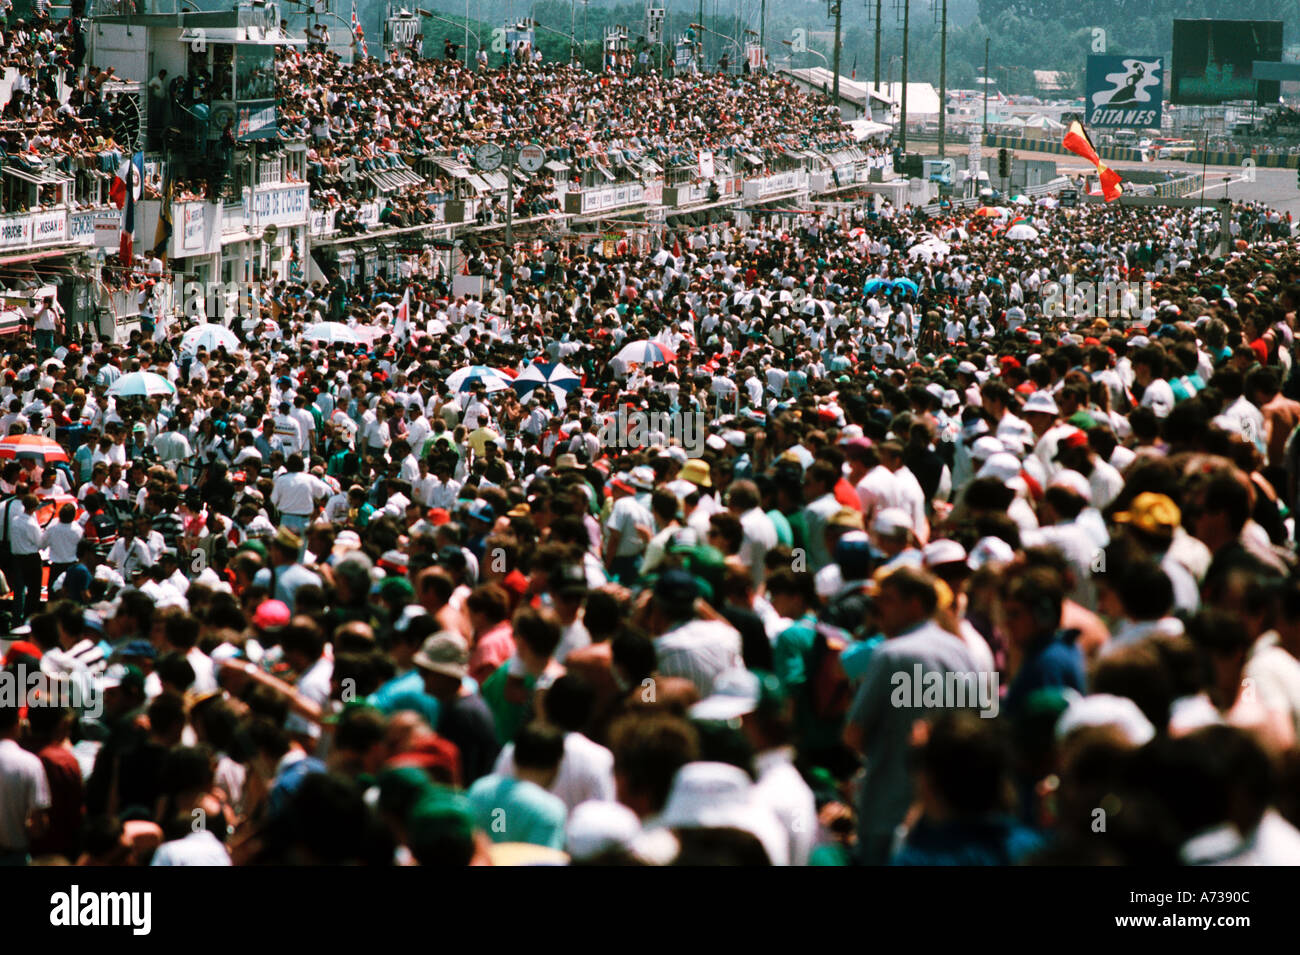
(892, 520)
(122, 675)
(271, 615)
(446, 653)
(1041, 402)
(735, 693)
(943, 551)
(1152, 513)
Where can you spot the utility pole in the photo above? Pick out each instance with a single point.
(943, 76)
(902, 116)
(878, 3)
(762, 30)
(836, 12)
(511, 156)
(700, 21)
(986, 86)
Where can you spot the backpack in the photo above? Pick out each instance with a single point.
(829, 690)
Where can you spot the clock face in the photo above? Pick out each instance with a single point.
(488, 156)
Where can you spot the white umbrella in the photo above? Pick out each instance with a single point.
(1022, 230)
(929, 249)
(558, 378)
(747, 298)
(330, 332)
(1049, 202)
(209, 337)
(646, 353)
(141, 384)
(461, 379)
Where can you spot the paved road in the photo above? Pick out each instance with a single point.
(1276, 187)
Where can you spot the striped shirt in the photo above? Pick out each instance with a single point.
(170, 526)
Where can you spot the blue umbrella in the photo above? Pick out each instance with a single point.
(876, 284)
(907, 285)
(463, 379)
(554, 375)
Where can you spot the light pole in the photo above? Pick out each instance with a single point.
(573, 40)
(809, 50)
(468, 31)
(986, 87)
(703, 29)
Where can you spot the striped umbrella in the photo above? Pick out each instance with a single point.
(141, 384)
(462, 379)
(35, 446)
(646, 353)
(209, 337)
(554, 375)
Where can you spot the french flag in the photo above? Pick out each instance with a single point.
(126, 250)
(132, 169)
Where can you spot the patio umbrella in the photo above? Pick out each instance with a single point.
(141, 384)
(35, 446)
(645, 353)
(555, 376)
(209, 337)
(749, 296)
(464, 378)
(50, 507)
(330, 332)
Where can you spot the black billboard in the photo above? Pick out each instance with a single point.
(1214, 61)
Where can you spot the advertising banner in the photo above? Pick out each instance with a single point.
(1125, 91)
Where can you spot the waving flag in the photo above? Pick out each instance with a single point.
(1077, 141)
(358, 32)
(117, 189)
(125, 251)
(402, 320)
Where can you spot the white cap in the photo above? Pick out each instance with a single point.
(1041, 402)
(985, 447)
(1103, 709)
(597, 826)
(990, 550)
(944, 551)
(892, 520)
(735, 693)
(1004, 466)
(1073, 481)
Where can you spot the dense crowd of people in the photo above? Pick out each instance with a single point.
(855, 537)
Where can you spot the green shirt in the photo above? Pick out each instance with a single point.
(516, 810)
(784, 535)
(509, 717)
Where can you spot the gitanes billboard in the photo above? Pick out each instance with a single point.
(1125, 91)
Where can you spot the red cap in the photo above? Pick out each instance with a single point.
(1075, 439)
(1026, 388)
(271, 614)
(515, 582)
(432, 754)
(22, 648)
(439, 516)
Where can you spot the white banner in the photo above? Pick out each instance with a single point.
(50, 226)
(192, 227)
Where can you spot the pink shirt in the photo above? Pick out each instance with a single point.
(492, 649)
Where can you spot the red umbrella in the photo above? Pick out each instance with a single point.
(34, 446)
(50, 507)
